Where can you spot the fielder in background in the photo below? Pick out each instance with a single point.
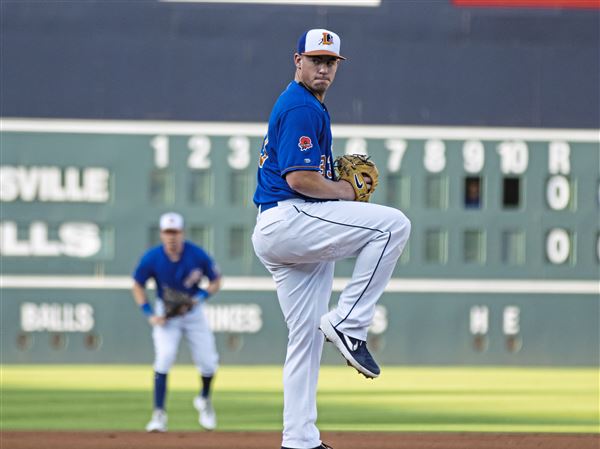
(307, 220)
(178, 267)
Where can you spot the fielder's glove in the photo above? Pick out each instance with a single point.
(353, 168)
(176, 302)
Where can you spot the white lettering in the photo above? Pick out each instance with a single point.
(479, 320)
(397, 148)
(50, 184)
(200, 150)
(80, 239)
(558, 192)
(473, 156)
(96, 184)
(435, 156)
(50, 188)
(237, 318)
(84, 317)
(239, 158)
(514, 157)
(510, 322)
(18, 181)
(160, 144)
(10, 245)
(39, 243)
(559, 158)
(558, 246)
(55, 317)
(75, 240)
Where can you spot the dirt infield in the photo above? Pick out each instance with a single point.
(271, 440)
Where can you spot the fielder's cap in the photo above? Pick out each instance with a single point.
(171, 222)
(320, 42)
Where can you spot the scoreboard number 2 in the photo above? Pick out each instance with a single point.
(200, 150)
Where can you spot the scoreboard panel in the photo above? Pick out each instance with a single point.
(83, 197)
(502, 265)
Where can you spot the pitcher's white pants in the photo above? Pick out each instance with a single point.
(299, 242)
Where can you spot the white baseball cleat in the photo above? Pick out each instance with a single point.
(158, 423)
(207, 416)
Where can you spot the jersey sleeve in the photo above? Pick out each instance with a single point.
(207, 264)
(144, 270)
(298, 146)
(212, 270)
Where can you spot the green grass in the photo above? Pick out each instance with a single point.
(494, 399)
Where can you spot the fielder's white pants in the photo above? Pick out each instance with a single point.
(299, 242)
(200, 339)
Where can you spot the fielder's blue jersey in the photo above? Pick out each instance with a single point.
(298, 138)
(183, 275)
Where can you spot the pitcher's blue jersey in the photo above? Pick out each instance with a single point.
(183, 275)
(299, 138)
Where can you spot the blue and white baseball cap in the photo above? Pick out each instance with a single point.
(319, 42)
(171, 221)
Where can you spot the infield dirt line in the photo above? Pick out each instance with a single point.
(271, 440)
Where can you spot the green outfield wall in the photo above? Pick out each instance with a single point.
(103, 326)
(501, 268)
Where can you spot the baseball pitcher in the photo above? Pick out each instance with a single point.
(309, 217)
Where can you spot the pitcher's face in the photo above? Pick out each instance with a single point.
(316, 72)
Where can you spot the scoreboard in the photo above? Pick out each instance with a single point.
(83, 197)
(497, 213)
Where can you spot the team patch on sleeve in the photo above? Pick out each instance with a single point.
(305, 143)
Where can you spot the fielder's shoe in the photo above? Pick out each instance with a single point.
(322, 446)
(158, 423)
(354, 350)
(207, 417)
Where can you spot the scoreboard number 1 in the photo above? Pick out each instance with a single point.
(160, 144)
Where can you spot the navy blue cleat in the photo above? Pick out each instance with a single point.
(354, 350)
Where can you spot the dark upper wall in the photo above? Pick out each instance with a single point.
(410, 62)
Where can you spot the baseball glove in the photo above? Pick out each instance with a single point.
(353, 168)
(177, 302)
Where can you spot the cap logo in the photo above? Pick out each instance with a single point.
(327, 39)
(305, 143)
